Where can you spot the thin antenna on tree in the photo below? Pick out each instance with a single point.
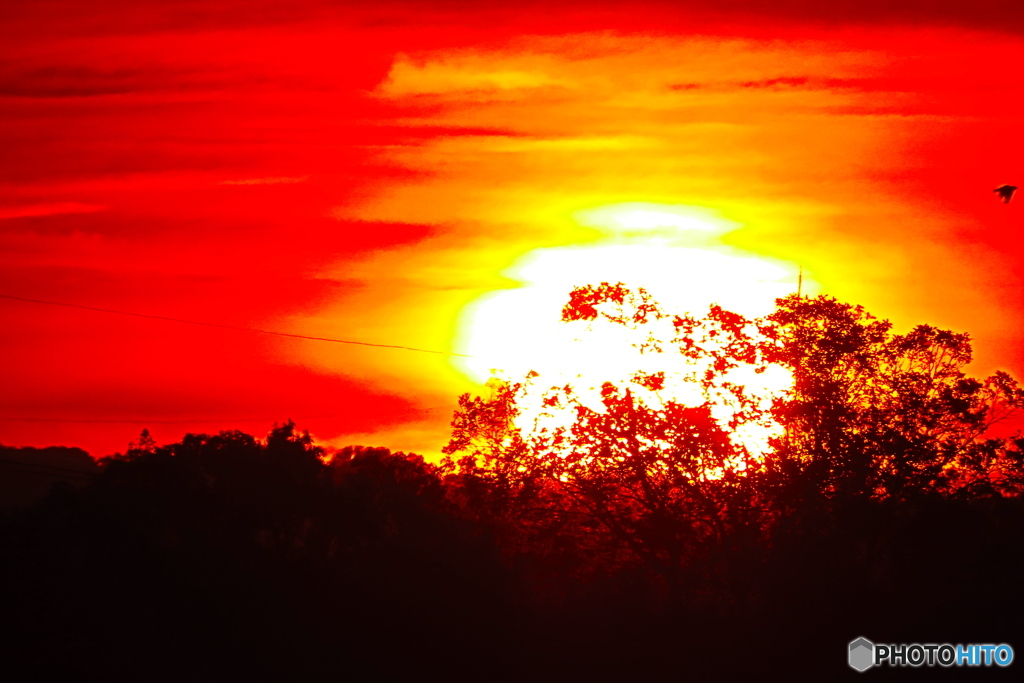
(800, 282)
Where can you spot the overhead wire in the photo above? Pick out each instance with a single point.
(165, 422)
(202, 324)
(231, 327)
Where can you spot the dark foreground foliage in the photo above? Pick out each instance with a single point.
(225, 558)
(641, 542)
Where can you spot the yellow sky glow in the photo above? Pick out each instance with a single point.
(704, 169)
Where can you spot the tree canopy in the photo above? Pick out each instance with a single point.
(659, 475)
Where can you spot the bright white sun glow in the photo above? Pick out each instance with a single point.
(674, 252)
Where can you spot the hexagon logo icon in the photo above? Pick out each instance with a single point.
(862, 654)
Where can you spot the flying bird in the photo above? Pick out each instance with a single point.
(1006, 192)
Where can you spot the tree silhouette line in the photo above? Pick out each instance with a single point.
(638, 540)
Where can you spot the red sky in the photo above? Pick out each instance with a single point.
(366, 171)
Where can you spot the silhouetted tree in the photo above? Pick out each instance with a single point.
(644, 477)
(884, 415)
(869, 415)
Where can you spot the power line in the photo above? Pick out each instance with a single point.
(160, 422)
(194, 420)
(231, 327)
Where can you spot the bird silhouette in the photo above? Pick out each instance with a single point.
(1006, 192)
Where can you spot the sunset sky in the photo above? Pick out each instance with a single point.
(408, 173)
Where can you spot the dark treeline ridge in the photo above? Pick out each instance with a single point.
(884, 510)
(226, 558)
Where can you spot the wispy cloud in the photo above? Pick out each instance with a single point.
(282, 180)
(47, 209)
(468, 72)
